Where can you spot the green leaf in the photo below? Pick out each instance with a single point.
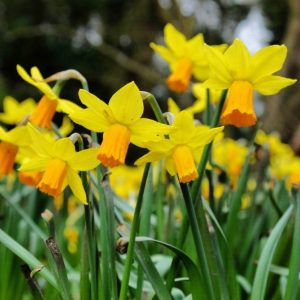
(264, 263)
(153, 276)
(191, 268)
(293, 278)
(26, 256)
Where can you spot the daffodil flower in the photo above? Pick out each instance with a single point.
(185, 57)
(120, 121)
(14, 112)
(49, 103)
(182, 148)
(10, 143)
(242, 73)
(230, 155)
(60, 163)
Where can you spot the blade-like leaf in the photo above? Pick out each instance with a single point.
(264, 263)
(26, 256)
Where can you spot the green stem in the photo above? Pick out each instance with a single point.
(155, 107)
(89, 223)
(197, 240)
(208, 108)
(133, 232)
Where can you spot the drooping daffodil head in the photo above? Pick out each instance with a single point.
(242, 73)
(50, 101)
(120, 121)
(182, 148)
(60, 163)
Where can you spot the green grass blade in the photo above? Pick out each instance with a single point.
(26, 256)
(197, 289)
(293, 278)
(151, 272)
(264, 263)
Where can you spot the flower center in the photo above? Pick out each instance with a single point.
(238, 109)
(30, 178)
(53, 178)
(114, 146)
(180, 78)
(44, 112)
(185, 164)
(8, 153)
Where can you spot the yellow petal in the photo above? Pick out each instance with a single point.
(173, 107)
(184, 127)
(145, 130)
(270, 85)
(40, 84)
(164, 52)
(91, 101)
(170, 166)
(10, 104)
(90, 119)
(66, 106)
(36, 74)
(18, 136)
(266, 61)
(127, 104)
(76, 185)
(84, 160)
(218, 66)
(66, 127)
(149, 157)
(36, 164)
(204, 135)
(175, 40)
(63, 149)
(237, 58)
(215, 83)
(41, 144)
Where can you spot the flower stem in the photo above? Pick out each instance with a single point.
(133, 232)
(155, 107)
(88, 212)
(197, 239)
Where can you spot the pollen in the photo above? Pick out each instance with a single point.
(44, 113)
(185, 164)
(114, 146)
(8, 153)
(30, 178)
(179, 79)
(239, 108)
(53, 178)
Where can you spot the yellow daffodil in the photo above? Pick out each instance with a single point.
(185, 57)
(242, 73)
(120, 121)
(230, 155)
(60, 163)
(273, 143)
(182, 148)
(125, 181)
(49, 103)
(286, 167)
(14, 112)
(71, 233)
(10, 143)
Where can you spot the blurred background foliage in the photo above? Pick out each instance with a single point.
(108, 42)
